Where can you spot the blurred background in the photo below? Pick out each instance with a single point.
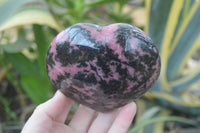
(27, 28)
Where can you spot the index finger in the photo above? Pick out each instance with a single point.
(57, 108)
(124, 119)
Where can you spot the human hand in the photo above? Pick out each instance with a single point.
(50, 116)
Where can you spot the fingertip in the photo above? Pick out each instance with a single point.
(131, 107)
(59, 99)
(59, 94)
(124, 118)
(128, 111)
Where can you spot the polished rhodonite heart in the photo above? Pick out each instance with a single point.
(103, 67)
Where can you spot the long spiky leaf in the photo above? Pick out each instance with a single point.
(169, 32)
(161, 119)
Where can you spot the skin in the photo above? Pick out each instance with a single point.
(50, 117)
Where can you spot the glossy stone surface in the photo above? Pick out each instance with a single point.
(103, 67)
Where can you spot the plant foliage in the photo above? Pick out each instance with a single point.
(174, 27)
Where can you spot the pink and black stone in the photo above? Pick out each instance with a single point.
(103, 67)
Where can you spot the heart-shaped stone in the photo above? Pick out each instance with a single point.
(103, 67)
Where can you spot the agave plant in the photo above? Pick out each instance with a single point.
(174, 27)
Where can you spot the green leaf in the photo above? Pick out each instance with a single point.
(141, 125)
(149, 113)
(186, 37)
(179, 101)
(173, 25)
(30, 15)
(22, 64)
(35, 83)
(5, 106)
(167, 38)
(17, 46)
(37, 89)
(158, 14)
(184, 13)
(42, 45)
(99, 2)
(188, 79)
(9, 7)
